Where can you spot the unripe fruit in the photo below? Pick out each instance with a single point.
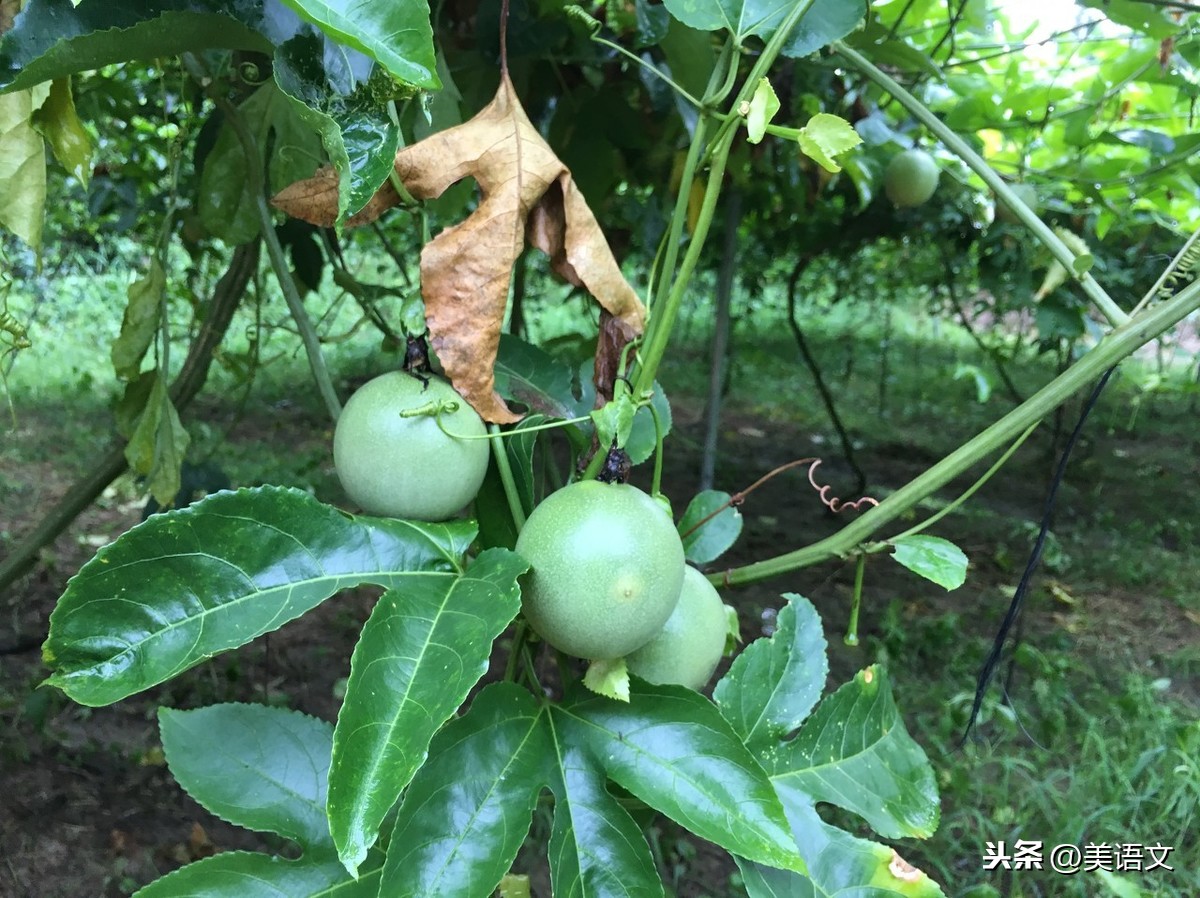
(1027, 193)
(911, 178)
(407, 466)
(690, 645)
(606, 568)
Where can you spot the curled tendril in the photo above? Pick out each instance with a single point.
(835, 504)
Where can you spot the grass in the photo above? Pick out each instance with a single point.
(1101, 741)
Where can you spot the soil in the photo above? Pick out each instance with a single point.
(89, 809)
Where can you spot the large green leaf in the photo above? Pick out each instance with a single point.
(53, 38)
(467, 811)
(596, 849)
(397, 35)
(259, 767)
(186, 585)
(244, 874)
(854, 752)
(671, 748)
(422, 650)
(774, 683)
(825, 22)
(839, 864)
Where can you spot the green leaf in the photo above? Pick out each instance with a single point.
(59, 124)
(53, 38)
(705, 542)
(609, 678)
(614, 420)
(826, 136)
(421, 651)
(467, 810)
(641, 442)
(258, 767)
(596, 849)
(763, 106)
(838, 865)
(143, 315)
(825, 22)
(855, 753)
(244, 874)
(350, 115)
(1152, 21)
(226, 204)
(398, 36)
(983, 386)
(158, 445)
(773, 685)
(933, 558)
(186, 585)
(531, 376)
(672, 749)
(22, 169)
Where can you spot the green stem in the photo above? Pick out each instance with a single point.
(860, 568)
(656, 482)
(929, 522)
(256, 185)
(653, 70)
(500, 454)
(976, 163)
(1116, 346)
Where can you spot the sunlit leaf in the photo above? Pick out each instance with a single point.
(933, 558)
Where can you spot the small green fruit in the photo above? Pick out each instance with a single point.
(1026, 193)
(606, 568)
(911, 178)
(407, 466)
(690, 645)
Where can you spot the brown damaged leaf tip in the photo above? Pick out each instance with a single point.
(315, 200)
(466, 269)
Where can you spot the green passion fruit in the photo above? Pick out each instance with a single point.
(911, 178)
(690, 645)
(606, 569)
(1026, 193)
(395, 461)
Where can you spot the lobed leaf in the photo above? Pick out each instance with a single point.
(244, 874)
(258, 767)
(186, 585)
(672, 749)
(420, 653)
(596, 849)
(467, 811)
(773, 685)
(855, 753)
(839, 864)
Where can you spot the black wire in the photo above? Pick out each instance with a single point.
(988, 671)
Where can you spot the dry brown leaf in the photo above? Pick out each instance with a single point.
(466, 269)
(315, 200)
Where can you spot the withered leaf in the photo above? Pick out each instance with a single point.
(465, 271)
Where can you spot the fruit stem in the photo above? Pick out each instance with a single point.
(855, 602)
(500, 455)
(656, 483)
